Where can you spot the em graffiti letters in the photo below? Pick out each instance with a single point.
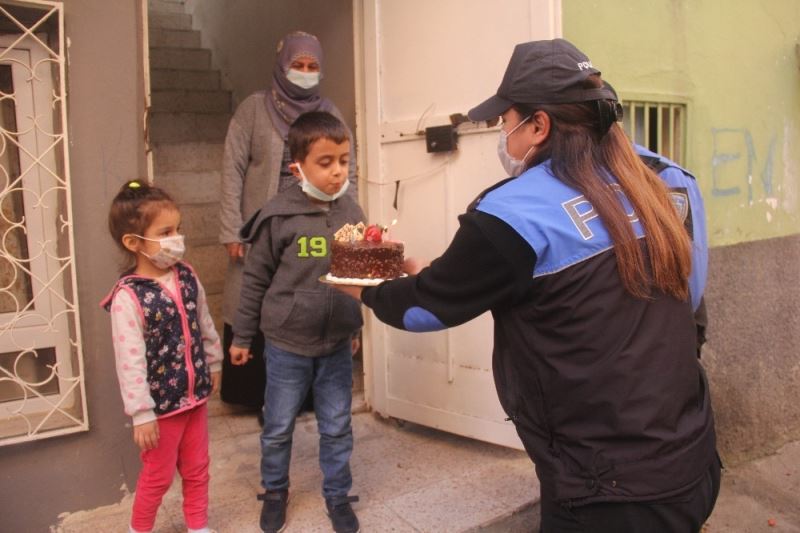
(732, 145)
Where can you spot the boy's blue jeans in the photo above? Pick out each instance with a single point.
(289, 377)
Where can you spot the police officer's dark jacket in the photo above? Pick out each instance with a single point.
(605, 389)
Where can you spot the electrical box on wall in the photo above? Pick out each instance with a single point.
(441, 138)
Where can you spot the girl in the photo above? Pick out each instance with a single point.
(168, 353)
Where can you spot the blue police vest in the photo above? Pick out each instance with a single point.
(557, 221)
(686, 197)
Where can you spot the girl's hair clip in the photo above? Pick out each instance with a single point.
(134, 185)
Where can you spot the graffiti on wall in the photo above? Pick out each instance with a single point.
(735, 164)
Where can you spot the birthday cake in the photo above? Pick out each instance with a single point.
(360, 252)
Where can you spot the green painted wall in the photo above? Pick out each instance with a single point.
(737, 64)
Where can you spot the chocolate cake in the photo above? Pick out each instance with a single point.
(359, 252)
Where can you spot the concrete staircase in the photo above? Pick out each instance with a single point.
(188, 121)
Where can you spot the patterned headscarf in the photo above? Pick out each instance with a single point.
(287, 101)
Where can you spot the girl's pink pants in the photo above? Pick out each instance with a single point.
(182, 444)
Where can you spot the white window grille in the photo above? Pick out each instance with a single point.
(657, 125)
(42, 391)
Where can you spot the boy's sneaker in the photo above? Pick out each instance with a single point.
(341, 514)
(273, 512)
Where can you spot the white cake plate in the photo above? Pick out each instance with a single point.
(358, 282)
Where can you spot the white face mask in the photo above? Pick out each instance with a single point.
(514, 167)
(171, 250)
(306, 80)
(313, 192)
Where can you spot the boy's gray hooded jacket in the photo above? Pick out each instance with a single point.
(290, 238)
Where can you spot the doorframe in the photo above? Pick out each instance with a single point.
(148, 148)
(367, 95)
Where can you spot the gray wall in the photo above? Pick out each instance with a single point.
(41, 479)
(243, 34)
(753, 352)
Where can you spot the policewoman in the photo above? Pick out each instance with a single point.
(584, 264)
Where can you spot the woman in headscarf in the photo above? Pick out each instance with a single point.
(255, 167)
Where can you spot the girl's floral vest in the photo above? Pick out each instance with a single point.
(176, 370)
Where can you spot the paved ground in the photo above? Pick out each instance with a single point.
(409, 478)
(756, 493)
(413, 479)
(763, 495)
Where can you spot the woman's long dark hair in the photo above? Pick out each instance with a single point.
(582, 154)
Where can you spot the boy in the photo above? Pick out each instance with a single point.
(308, 326)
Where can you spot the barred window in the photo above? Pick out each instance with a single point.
(41, 370)
(657, 125)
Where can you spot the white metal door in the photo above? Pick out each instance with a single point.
(418, 62)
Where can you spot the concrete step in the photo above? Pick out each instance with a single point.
(182, 127)
(160, 37)
(187, 157)
(169, 21)
(210, 261)
(200, 80)
(178, 101)
(165, 6)
(200, 223)
(180, 58)
(191, 187)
